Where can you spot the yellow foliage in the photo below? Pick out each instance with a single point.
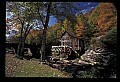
(18, 35)
(18, 26)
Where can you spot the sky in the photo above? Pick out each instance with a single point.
(52, 21)
(86, 7)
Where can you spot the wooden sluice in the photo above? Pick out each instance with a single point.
(63, 52)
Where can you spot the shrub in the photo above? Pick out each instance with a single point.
(110, 40)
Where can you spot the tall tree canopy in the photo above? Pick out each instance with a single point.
(26, 12)
(25, 18)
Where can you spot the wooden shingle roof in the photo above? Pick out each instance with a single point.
(71, 34)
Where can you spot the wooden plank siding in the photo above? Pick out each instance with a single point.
(67, 39)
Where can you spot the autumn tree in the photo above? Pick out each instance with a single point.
(79, 26)
(85, 29)
(53, 34)
(22, 14)
(47, 9)
(25, 11)
(67, 25)
(104, 20)
(34, 37)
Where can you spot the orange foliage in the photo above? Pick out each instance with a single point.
(35, 33)
(106, 18)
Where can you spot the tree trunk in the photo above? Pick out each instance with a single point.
(22, 48)
(19, 48)
(20, 51)
(43, 45)
(44, 32)
(20, 43)
(24, 38)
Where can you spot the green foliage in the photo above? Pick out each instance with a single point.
(96, 42)
(86, 28)
(53, 41)
(52, 37)
(104, 16)
(13, 39)
(93, 17)
(80, 24)
(89, 32)
(100, 22)
(65, 9)
(67, 25)
(23, 13)
(28, 39)
(110, 40)
(36, 41)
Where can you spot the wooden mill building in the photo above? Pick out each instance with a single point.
(70, 40)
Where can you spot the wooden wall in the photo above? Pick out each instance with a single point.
(71, 41)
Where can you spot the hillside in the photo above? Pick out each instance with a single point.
(103, 20)
(15, 67)
(104, 16)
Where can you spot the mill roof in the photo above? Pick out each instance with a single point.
(70, 34)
